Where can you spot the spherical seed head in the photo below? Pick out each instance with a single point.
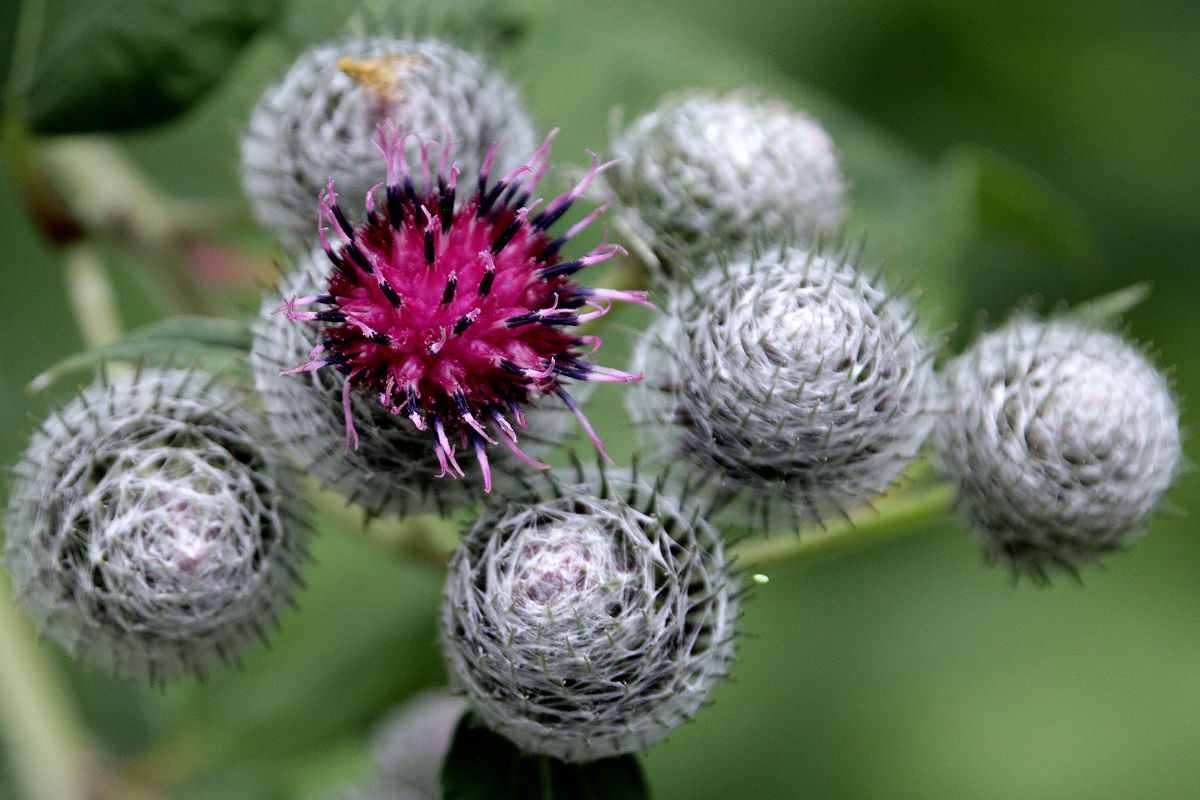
(705, 172)
(455, 315)
(590, 621)
(320, 120)
(411, 743)
(1061, 440)
(152, 529)
(794, 378)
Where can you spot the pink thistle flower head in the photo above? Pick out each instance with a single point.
(457, 313)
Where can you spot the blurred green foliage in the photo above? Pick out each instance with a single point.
(999, 152)
(118, 64)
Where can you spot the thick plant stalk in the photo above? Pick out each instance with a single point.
(890, 519)
(46, 749)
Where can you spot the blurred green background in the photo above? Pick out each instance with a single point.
(999, 151)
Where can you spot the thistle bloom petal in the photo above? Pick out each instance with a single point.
(590, 620)
(455, 313)
(1061, 440)
(394, 468)
(152, 529)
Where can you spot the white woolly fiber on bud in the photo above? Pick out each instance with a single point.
(703, 172)
(590, 622)
(393, 470)
(151, 530)
(794, 378)
(410, 745)
(319, 122)
(1061, 440)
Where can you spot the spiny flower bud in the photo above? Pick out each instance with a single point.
(795, 378)
(455, 314)
(320, 121)
(151, 529)
(412, 742)
(704, 172)
(591, 620)
(1061, 440)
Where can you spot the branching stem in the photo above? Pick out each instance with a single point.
(892, 517)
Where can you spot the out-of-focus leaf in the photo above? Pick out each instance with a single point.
(1011, 237)
(482, 765)
(486, 24)
(893, 191)
(1015, 203)
(207, 342)
(119, 64)
(8, 30)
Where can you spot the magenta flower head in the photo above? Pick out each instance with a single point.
(457, 313)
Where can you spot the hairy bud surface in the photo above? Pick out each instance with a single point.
(797, 380)
(704, 172)
(151, 529)
(1061, 440)
(320, 120)
(591, 620)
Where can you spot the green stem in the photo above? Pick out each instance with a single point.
(92, 297)
(113, 200)
(893, 517)
(48, 754)
(46, 743)
(546, 774)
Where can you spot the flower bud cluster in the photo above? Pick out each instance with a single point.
(1061, 440)
(795, 378)
(590, 620)
(152, 529)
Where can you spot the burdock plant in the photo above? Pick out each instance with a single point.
(705, 173)
(433, 339)
(319, 121)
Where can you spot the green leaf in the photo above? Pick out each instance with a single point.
(118, 64)
(1009, 233)
(483, 765)
(1005, 200)
(208, 342)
